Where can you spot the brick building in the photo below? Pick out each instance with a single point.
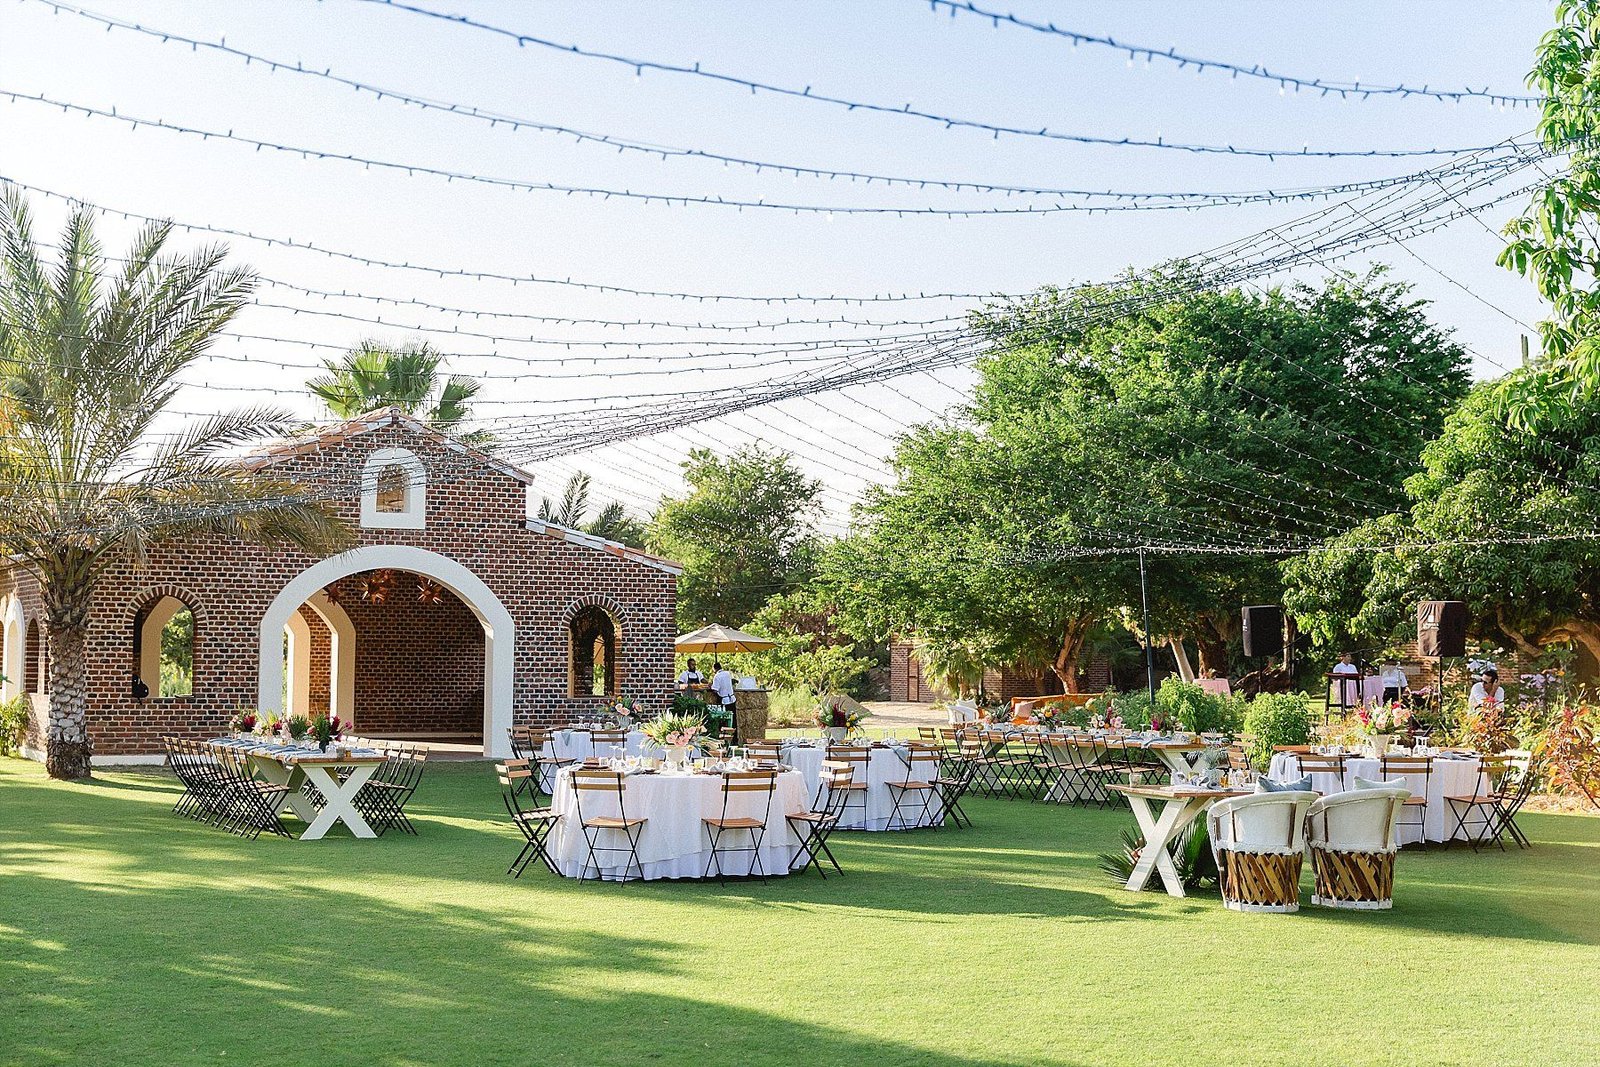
(456, 614)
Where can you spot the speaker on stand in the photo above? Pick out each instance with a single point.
(1441, 632)
(1262, 626)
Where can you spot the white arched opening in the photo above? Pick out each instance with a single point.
(342, 656)
(394, 491)
(13, 662)
(153, 623)
(499, 632)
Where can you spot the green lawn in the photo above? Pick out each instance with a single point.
(129, 935)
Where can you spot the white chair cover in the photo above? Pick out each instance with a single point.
(1360, 820)
(1263, 822)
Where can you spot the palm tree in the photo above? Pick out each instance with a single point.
(613, 522)
(375, 375)
(88, 360)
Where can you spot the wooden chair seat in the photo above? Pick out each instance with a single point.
(852, 787)
(1488, 799)
(910, 785)
(736, 822)
(1416, 802)
(609, 822)
(537, 815)
(817, 817)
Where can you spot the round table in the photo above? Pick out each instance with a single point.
(1450, 777)
(673, 842)
(885, 764)
(576, 744)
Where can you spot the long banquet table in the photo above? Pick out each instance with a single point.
(885, 763)
(294, 765)
(1451, 776)
(673, 842)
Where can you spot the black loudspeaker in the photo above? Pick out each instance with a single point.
(1442, 628)
(1263, 630)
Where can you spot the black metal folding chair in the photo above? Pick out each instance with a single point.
(249, 806)
(1503, 787)
(604, 743)
(814, 827)
(594, 787)
(535, 823)
(923, 788)
(742, 791)
(955, 778)
(859, 759)
(382, 800)
(1413, 772)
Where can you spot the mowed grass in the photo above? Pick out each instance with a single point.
(129, 935)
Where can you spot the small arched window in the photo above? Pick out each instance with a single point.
(394, 491)
(33, 664)
(163, 648)
(592, 644)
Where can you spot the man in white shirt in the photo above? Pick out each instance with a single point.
(722, 685)
(691, 677)
(1393, 678)
(1485, 690)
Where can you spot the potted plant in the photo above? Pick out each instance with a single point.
(836, 719)
(677, 734)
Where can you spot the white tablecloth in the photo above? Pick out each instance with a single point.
(883, 765)
(673, 842)
(1450, 777)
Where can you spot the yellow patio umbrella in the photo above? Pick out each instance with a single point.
(718, 638)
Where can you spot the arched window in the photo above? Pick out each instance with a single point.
(394, 491)
(33, 664)
(592, 645)
(163, 648)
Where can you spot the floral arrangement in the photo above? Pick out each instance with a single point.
(1051, 716)
(326, 730)
(269, 726)
(1383, 718)
(1111, 721)
(1158, 722)
(835, 714)
(676, 731)
(627, 707)
(244, 721)
(297, 726)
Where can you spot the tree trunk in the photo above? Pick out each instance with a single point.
(67, 749)
(1066, 664)
(1211, 649)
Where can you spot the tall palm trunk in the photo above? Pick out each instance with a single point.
(67, 748)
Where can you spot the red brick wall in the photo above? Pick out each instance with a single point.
(320, 664)
(475, 516)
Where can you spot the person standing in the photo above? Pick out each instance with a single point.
(691, 677)
(722, 686)
(1393, 678)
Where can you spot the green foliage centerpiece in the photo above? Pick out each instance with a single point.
(677, 734)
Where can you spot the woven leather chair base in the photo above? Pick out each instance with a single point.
(1363, 880)
(1260, 881)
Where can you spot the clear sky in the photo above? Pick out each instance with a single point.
(894, 52)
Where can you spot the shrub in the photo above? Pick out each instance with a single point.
(1277, 719)
(1185, 705)
(14, 715)
(795, 706)
(1133, 708)
(1570, 750)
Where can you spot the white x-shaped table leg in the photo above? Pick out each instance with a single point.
(340, 798)
(1156, 856)
(278, 774)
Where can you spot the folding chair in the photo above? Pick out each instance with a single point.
(600, 785)
(928, 735)
(833, 789)
(202, 782)
(765, 750)
(535, 823)
(1413, 772)
(752, 789)
(858, 758)
(997, 768)
(928, 759)
(955, 779)
(522, 745)
(1510, 780)
(546, 764)
(382, 800)
(602, 743)
(1313, 764)
(251, 805)
(1057, 768)
(1238, 757)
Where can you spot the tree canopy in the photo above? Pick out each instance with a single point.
(376, 375)
(1230, 420)
(745, 532)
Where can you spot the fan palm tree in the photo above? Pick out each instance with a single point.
(88, 361)
(375, 375)
(613, 522)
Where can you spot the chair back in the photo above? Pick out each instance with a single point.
(513, 771)
(1412, 772)
(748, 794)
(765, 750)
(924, 759)
(601, 740)
(852, 756)
(598, 793)
(1361, 820)
(832, 794)
(1261, 822)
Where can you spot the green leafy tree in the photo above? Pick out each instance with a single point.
(612, 522)
(1556, 242)
(813, 650)
(375, 375)
(89, 357)
(1483, 483)
(1204, 418)
(745, 531)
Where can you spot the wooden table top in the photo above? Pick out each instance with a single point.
(1179, 792)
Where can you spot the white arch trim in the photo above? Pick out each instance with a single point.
(15, 627)
(342, 658)
(297, 664)
(499, 632)
(413, 514)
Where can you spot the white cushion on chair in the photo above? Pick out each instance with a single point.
(1261, 822)
(1361, 820)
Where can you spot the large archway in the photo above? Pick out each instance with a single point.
(499, 632)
